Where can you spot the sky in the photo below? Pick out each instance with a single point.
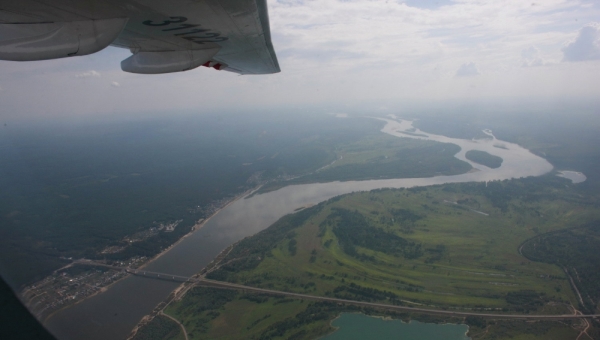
(339, 56)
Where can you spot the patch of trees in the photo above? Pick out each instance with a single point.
(469, 201)
(292, 248)
(510, 329)
(525, 299)
(436, 253)
(258, 321)
(204, 304)
(160, 328)
(319, 311)
(476, 321)
(530, 189)
(202, 299)
(405, 216)
(360, 293)
(354, 230)
(484, 158)
(573, 249)
(256, 298)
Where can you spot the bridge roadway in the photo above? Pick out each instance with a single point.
(227, 285)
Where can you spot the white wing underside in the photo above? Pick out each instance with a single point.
(164, 36)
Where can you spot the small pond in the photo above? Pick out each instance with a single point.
(574, 176)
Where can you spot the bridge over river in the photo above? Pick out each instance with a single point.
(200, 280)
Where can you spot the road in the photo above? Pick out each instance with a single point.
(138, 272)
(179, 323)
(227, 285)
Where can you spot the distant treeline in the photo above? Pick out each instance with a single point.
(567, 138)
(576, 251)
(73, 190)
(428, 159)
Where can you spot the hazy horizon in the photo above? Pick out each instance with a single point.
(344, 56)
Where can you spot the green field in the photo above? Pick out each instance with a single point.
(452, 246)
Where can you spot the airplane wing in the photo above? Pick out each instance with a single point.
(163, 36)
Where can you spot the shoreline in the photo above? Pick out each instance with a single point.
(101, 290)
(200, 225)
(179, 292)
(195, 228)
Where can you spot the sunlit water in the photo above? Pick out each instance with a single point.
(363, 327)
(574, 176)
(112, 315)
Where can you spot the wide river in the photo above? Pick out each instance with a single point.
(114, 313)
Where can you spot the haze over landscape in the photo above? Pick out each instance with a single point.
(434, 163)
(340, 56)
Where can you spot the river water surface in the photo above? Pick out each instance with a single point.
(114, 313)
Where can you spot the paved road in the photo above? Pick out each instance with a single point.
(228, 285)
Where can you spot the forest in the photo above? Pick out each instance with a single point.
(383, 156)
(484, 158)
(70, 192)
(576, 250)
(353, 230)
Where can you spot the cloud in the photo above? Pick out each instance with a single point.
(88, 74)
(531, 57)
(467, 70)
(341, 55)
(586, 46)
(115, 84)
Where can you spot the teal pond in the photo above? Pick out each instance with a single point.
(363, 327)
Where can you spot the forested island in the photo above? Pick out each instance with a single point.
(484, 158)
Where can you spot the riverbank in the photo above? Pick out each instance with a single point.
(179, 293)
(102, 289)
(201, 223)
(44, 318)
